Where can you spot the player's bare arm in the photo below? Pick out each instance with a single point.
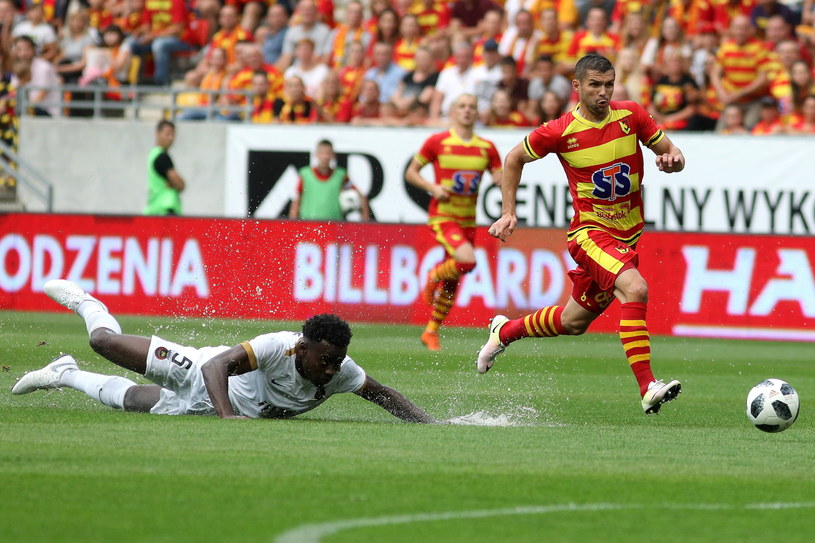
(393, 401)
(414, 177)
(510, 178)
(669, 158)
(175, 180)
(216, 374)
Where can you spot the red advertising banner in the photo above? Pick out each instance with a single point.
(700, 284)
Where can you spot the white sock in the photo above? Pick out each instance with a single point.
(108, 389)
(96, 316)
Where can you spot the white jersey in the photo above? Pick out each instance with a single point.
(276, 389)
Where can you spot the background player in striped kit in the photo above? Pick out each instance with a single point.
(459, 160)
(597, 144)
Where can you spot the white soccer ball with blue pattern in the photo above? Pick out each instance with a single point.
(772, 405)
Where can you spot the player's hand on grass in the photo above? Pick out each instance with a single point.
(503, 227)
(235, 417)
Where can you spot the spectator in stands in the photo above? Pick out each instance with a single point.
(345, 33)
(251, 12)
(163, 25)
(802, 84)
(385, 72)
(131, 16)
(770, 121)
(454, 81)
(367, 105)
(517, 87)
(740, 77)
(554, 41)
(732, 121)
(521, 41)
(100, 17)
(808, 13)
(487, 74)
(548, 108)
(405, 49)
(106, 64)
(595, 39)
(277, 24)
(674, 96)
(262, 99)
(433, 17)
(329, 98)
(544, 78)
(764, 9)
(387, 30)
(9, 18)
(228, 36)
(631, 82)
(418, 114)
(253, 62)
(37, 72)
(41, 33)
(491, 29)
(294, 106)
(502, 113)
(634, 32)
(670, 40)
(788, 53)
(76, 38)
(307, 67)
(309, 27)
(164, 183)
(352, 74)
(805, 124)
(706, 45)
(466, 16)
(419, 84)
(213, 79)
(318, 191)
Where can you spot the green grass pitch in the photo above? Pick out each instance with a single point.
(581, 462)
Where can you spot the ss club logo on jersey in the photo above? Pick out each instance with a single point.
(612, 181)
(466, 182)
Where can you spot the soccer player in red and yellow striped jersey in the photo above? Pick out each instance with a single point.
(459, 159)
(598, 147)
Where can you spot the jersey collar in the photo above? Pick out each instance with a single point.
(582, 119)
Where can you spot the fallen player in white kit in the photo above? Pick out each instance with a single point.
(277, 375)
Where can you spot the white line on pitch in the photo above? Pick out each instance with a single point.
(727, 332)
(313, 533)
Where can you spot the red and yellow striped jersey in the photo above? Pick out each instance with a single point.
(584, 42)
(603, 163)
(556, 47)
(404, 52)
(458, 165)
(226, 40)
(741, 63)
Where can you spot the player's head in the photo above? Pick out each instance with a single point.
(323, 348)
(594, 83)
(165, 133)
(464, 111)
(324, 153)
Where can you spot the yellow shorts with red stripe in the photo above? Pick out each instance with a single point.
(600, 259)
(451, 235)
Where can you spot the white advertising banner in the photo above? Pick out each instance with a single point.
(736, 184)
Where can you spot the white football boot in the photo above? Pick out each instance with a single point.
(493, 347)
(68, 294)
(659, 393)
(47, 377)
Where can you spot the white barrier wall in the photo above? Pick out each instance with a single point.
(731, 184)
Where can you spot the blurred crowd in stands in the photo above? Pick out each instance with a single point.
(735, 66)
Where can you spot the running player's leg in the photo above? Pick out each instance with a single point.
(585, 304)
(443, 279)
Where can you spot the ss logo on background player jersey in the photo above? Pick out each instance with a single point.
(612, 181)
(466, 182)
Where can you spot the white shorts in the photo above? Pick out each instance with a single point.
(177, 369)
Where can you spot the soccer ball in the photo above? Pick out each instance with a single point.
(772, 405)
(351, 205)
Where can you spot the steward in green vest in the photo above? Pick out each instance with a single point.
(164, 184)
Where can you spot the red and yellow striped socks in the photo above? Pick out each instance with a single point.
(636, 342)
(442, 304)
(544, 322)
(450, 270)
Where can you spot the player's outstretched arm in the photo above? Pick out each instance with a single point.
(510, 180)
(669, 158)
(216, 374)
(393, 401)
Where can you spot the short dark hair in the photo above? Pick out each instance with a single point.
(325, 142)
(508, 61)
(594, 62)
(329, 328)
(163, 123)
